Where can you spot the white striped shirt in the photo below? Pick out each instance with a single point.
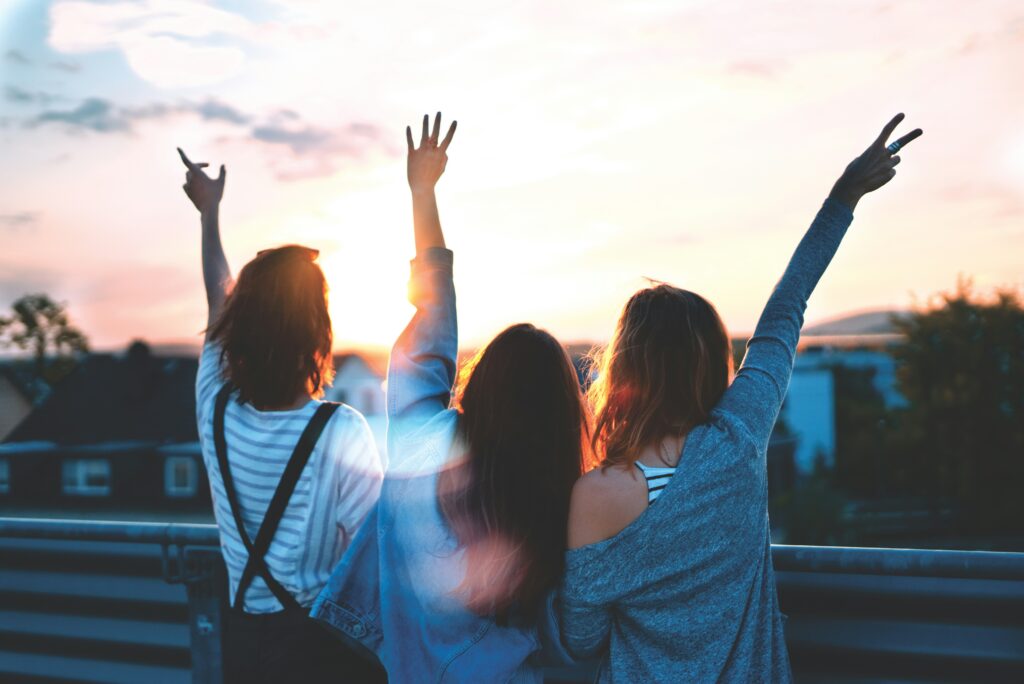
(657, 478)
(336, 491)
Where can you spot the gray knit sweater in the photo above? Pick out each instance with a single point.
(686, 592)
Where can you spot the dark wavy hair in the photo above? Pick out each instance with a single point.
(524, 428)
(274, 329)
(667, 365)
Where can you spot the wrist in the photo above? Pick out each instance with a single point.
(849, 199)
(424, 191)
(210, 211)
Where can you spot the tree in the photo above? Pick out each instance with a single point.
(863, 428)
(40, 326)
(962, 370)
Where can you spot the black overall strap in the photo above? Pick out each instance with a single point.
(256, 564)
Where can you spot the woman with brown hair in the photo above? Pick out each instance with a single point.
(292, 477)
(669, 574)
(453, 578)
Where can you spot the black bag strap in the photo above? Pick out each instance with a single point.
(256, 564)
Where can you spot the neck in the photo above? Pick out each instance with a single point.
(664, 452)
(301, 400)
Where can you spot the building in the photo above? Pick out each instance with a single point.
(810, 407)
(360, 381)
(15, 401)
(117, 435)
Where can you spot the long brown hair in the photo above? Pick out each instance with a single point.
(523, 425)
(667, 365)
(274, 329)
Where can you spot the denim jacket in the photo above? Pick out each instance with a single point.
(393, 591)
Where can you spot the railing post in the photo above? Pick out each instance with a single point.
(206, 584)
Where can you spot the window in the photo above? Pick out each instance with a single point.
(86, 477)
(5, 476)
(180, 476)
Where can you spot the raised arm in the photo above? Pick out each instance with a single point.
(756, 395)
(206, 193)
(421, 371)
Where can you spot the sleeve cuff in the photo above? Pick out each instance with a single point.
(433, 256)
(838, 207)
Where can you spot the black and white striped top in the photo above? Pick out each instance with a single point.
(336, 491)
(656, 478)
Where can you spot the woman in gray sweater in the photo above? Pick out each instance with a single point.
(669, 572)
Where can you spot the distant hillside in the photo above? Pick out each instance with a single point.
(865, 323)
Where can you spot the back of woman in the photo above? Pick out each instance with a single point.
(453, 578)
(669, 574)
(292, 478)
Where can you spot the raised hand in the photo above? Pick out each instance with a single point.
(874, 168)
(205, 192)
(427, 162)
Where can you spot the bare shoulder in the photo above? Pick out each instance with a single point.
(604, 502)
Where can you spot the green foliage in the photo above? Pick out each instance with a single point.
(812, 512)
(40, 326)
(864, 428)
(962, 436)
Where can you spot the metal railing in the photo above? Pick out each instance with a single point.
(81, 601)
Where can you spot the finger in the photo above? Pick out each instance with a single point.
(883, 165)
(188, 176)
(889, 128)
(184, 159)
(408, 137)
(437, 128)
(911, 136)
(201, 165)
(223, 175)
(426, 133)
(448, 137)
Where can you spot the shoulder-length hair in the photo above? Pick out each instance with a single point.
(667, 365)
(275, 330)
(524, 428)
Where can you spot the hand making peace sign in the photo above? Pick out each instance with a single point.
(874, 168)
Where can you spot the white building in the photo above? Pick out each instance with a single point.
(809, 409)
(359, 382)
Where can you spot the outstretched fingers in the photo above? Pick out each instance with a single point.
(408, 138)
(185, 160)
(888, 129)
(448, 137)
(426, 130)
(437, 129)
(911, 136)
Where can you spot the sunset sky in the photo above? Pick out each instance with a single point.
(598, 143)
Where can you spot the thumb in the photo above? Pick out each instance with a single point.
(223, 175)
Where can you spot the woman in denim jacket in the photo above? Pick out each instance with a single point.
(452, 578)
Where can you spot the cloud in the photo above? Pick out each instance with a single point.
(16, 281)
(19, 220)
(298, 140)
(68, 67)
(212, 110)
(165, 42)
(20, 96)
(16, 57)
(93, 114)
(316, 152)
(102, 116)
(312, 151)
